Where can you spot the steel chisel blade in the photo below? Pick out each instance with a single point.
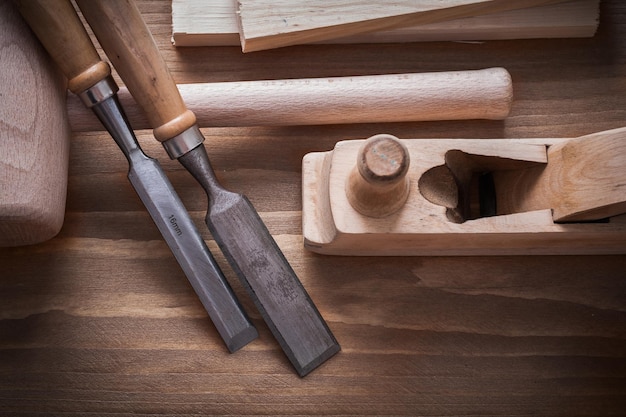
(178, 230)
(262, 268)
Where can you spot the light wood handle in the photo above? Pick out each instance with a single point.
(378, 184)
(582, 181)
(129, 45)
(411, 97)
(60, 30)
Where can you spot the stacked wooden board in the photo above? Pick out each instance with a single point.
(219, 23)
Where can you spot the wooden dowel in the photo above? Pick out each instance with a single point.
(453, 95)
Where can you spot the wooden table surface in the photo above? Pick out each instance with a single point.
(102, 320)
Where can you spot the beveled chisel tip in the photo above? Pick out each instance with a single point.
(241, 339)
(332, 350)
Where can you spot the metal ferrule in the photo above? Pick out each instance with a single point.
(112, 116)
(99, 92)
(184, 142)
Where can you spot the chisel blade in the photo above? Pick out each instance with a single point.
(261, 266)
(169, 215)
(173, 221)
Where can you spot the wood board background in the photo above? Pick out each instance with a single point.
(102, 320)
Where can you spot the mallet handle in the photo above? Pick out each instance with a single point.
(410, 97)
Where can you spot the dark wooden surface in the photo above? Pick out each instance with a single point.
(101, 319)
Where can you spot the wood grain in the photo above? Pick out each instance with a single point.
(273, 24)
(377, 185)
(447, 95)
(583, 180)
(142, 68)
(34, 136)
(214, 23)
(66, 42)
(344, 216)
(100, 319)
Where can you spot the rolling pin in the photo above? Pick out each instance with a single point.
(449, 95)
(34, 136)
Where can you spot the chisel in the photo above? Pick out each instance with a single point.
(234, 223)
(58, 27)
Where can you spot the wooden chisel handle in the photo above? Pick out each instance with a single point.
(411, 97)
(65, 38)
(120, 29)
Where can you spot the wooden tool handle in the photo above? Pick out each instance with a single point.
(449, 95)
(129, 45)
(582, 181)
(60, 30)
(378, 185)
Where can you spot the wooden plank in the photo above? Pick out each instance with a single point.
(425, 226)
(267, 24)
(214, 23)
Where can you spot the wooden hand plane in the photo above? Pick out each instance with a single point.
(400, 197)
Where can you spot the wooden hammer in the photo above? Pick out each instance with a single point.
(34, 136)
